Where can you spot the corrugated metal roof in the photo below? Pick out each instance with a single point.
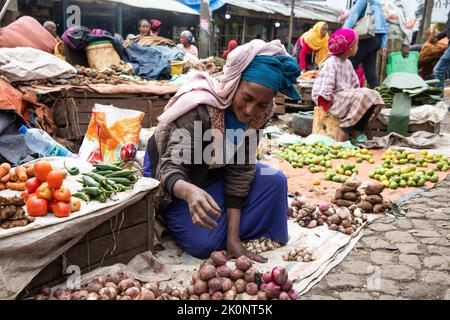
(301, 11)
(166, 5)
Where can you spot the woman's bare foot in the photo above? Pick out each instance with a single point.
(342, 135)
(235, 249)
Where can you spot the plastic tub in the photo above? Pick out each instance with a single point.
(177, 68)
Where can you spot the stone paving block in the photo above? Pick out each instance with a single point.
(404, 223)
(420, 290)
(385, 286)
(409, 248)
(436, 241)
(435, 277)
(424, 233)
(337, 281)
(447, 295)
(437, 262)
(356, 267)
(381, 227)
(415, 214)
(375, 243)
(382, 257)
(422, 224)
(399, 237)
(388, 297)
(398, 272)
(410, 260)
(318, 297)
(435, 215)
(442, 251)
(355, 296)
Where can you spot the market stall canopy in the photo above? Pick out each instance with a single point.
(167, 5)
(302, 10)
(196, 4)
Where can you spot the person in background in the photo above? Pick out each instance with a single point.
(368, 48)
(155, 27)
(50, 26)
(313, 47)
(187, 43)
(337, 88)
(442, 69)
(232, 44)
(144, 27)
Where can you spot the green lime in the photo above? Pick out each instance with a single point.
(393, 185)
(348, 173)
(336, 179)
(434, 179)
(402, 184)
(421, 183)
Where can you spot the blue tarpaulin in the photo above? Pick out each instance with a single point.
(196, 4)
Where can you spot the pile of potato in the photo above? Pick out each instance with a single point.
(261, 245)
(300, 255)
(214, 281)
(348, 195)
(373, 201)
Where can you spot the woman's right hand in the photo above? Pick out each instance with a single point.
(200, 203)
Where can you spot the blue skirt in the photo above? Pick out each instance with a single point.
(265, 215)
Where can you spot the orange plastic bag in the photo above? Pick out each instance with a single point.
(112, 135)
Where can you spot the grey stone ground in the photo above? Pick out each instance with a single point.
(396, 259)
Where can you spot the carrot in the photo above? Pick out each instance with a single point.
(13, 176)
(5, 178)
(19, 186)
(30, 171)
(4, 169)
(21, 174)
(2, 186)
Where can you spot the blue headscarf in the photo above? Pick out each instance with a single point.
(278, 73)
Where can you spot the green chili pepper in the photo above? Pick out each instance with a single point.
(123, 181)
(122, 174)
(97, 177)
(122, 187)
(104, 172)
(72, 171)
(81, 195)
(92, 191)
(105, 166)
(101, 198)
(89, 182)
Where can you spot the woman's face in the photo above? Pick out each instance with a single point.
(353, 50)
(184, 40)
(251, 101)
(144, 28)
(324, 30)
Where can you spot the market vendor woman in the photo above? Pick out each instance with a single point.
(214, 203)
(337, 88)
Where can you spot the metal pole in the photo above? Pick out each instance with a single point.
(426, 19)
(291, 22)
(5, 7)
(65, 4)
(205, 30)
(119, 19)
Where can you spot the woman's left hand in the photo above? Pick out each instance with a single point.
(383, 52)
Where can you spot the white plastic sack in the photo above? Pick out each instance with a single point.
(26, 64)
(423, 114)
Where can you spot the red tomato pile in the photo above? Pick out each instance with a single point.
(46, 193)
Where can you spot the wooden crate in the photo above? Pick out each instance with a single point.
(279, 104)
(304, 105)
(379, 129)
(325, 124)
(114, 241)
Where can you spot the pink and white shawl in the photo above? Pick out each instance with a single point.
(203, 89)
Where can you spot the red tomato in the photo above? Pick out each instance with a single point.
(37, 207)
(61, 209)
(44, 192)
(55, 179)
(32, 196)
(62, 194)
(32, 184)
(51, 205)
(41, 170)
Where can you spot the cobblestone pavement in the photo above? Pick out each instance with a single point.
(398, 258)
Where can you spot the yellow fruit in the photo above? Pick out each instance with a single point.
(424, 153)
(386, 183)
(316, 182)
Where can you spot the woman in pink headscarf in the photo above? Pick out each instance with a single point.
(337, 88)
